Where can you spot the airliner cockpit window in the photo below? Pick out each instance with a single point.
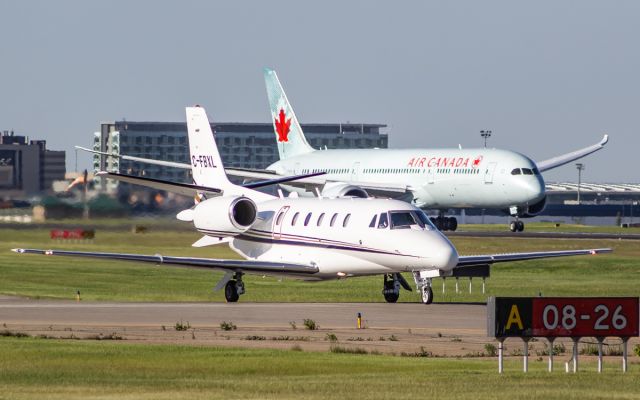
(383, 223)
(404, 220)
(515, 171)
(373, 222)
(527, 171)
(536, 171)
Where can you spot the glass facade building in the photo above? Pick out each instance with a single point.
(241, 145)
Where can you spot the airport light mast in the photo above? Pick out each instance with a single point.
(580, 167)
(485, 134)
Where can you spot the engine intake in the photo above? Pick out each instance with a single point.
(225, 216)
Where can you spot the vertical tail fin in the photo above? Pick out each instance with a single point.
(206, 164)
(289, 136)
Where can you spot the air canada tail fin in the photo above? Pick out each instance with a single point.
(206, 164)
(289, 136)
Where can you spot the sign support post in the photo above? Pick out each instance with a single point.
(624, 353)
(575, 354)
(500, 355)
(550, 354)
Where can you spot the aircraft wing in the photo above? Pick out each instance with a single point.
(469, 261)
(250, 266)
(312, 182)
(567, 158)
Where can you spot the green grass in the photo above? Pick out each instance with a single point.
(549, 227)
(60, 277)
(54, 369)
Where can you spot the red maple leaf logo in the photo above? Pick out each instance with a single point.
(283, 126)
(476, 162)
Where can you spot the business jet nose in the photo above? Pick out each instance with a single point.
(447, 257)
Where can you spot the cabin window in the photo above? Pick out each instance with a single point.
(515, 171)
(346, 220)
(295, 218)
(320, 218)
(373, 222)
(279, 219)
(333, 219)
(384, 221)
(404, 220)
(307, 219)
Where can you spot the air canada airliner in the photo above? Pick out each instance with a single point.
(437, 178)
(304, 238)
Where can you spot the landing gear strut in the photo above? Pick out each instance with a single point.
(516, 226)
(234, 288)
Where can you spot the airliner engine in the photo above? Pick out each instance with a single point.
(337, 189)
(225, 216)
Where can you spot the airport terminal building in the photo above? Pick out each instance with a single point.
(27, 167)
(242, 145)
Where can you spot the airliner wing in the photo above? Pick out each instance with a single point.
(567, 158)
(190, 189)
(250, 266)
(468, 261)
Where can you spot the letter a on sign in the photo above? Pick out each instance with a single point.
(514, 318)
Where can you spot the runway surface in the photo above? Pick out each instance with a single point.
(329, 315)
(547, 235)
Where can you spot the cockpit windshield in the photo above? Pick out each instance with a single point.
(405, 219)
(525, 171)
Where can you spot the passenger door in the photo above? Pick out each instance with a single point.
(278, 222)
(488, 173)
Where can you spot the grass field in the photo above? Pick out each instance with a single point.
(58, 277)
(54, 369)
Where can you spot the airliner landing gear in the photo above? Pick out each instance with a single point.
(445, 223)
(391, 289)
(234, 288)
(516, 226)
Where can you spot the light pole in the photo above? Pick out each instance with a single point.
(485, 134)
(580, 167)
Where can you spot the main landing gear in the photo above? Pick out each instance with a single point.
(392, 285)
(445, 223)
(234, 288)
(516, 226)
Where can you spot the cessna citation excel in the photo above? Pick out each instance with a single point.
(439, 179)
(305, 238)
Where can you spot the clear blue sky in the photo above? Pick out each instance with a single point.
(546, 76)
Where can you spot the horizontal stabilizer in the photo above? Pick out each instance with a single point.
(173, 187)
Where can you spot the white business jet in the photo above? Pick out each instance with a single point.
(306, 238)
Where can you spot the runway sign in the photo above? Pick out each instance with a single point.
(562, 317)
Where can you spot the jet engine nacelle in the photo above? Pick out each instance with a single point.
(225, 216)
(337, 189)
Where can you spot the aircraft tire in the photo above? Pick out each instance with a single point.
(520, 226)
(427, 295)
(391, 297)
(231, 292)
(453, 223)
(513, 226)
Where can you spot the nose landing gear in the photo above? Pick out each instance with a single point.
(516, 226)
